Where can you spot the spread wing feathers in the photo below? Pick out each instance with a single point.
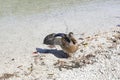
(52, 39)
(62, 35)
(55, 39)
(49, 39)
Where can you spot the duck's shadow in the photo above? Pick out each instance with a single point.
(55, 52)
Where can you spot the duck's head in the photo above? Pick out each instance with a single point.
(70, 34)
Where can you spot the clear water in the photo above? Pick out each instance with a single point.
(90, 14)
(25, 7)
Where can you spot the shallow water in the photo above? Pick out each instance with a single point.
(25, 7)
(67, 15)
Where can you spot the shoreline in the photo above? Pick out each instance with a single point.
(21, 35)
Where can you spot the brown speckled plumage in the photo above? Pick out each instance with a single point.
(67, 42)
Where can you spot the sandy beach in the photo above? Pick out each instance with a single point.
(96, 22)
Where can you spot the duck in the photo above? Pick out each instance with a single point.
(67, 42)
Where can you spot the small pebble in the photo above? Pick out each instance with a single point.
(12, 59)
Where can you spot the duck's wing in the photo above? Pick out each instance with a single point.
(52, 39)
(60, 34)
(64, 36)
(49, 39)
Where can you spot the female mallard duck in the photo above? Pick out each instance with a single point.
(67, 42)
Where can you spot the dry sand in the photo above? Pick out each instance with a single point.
(99, 58)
